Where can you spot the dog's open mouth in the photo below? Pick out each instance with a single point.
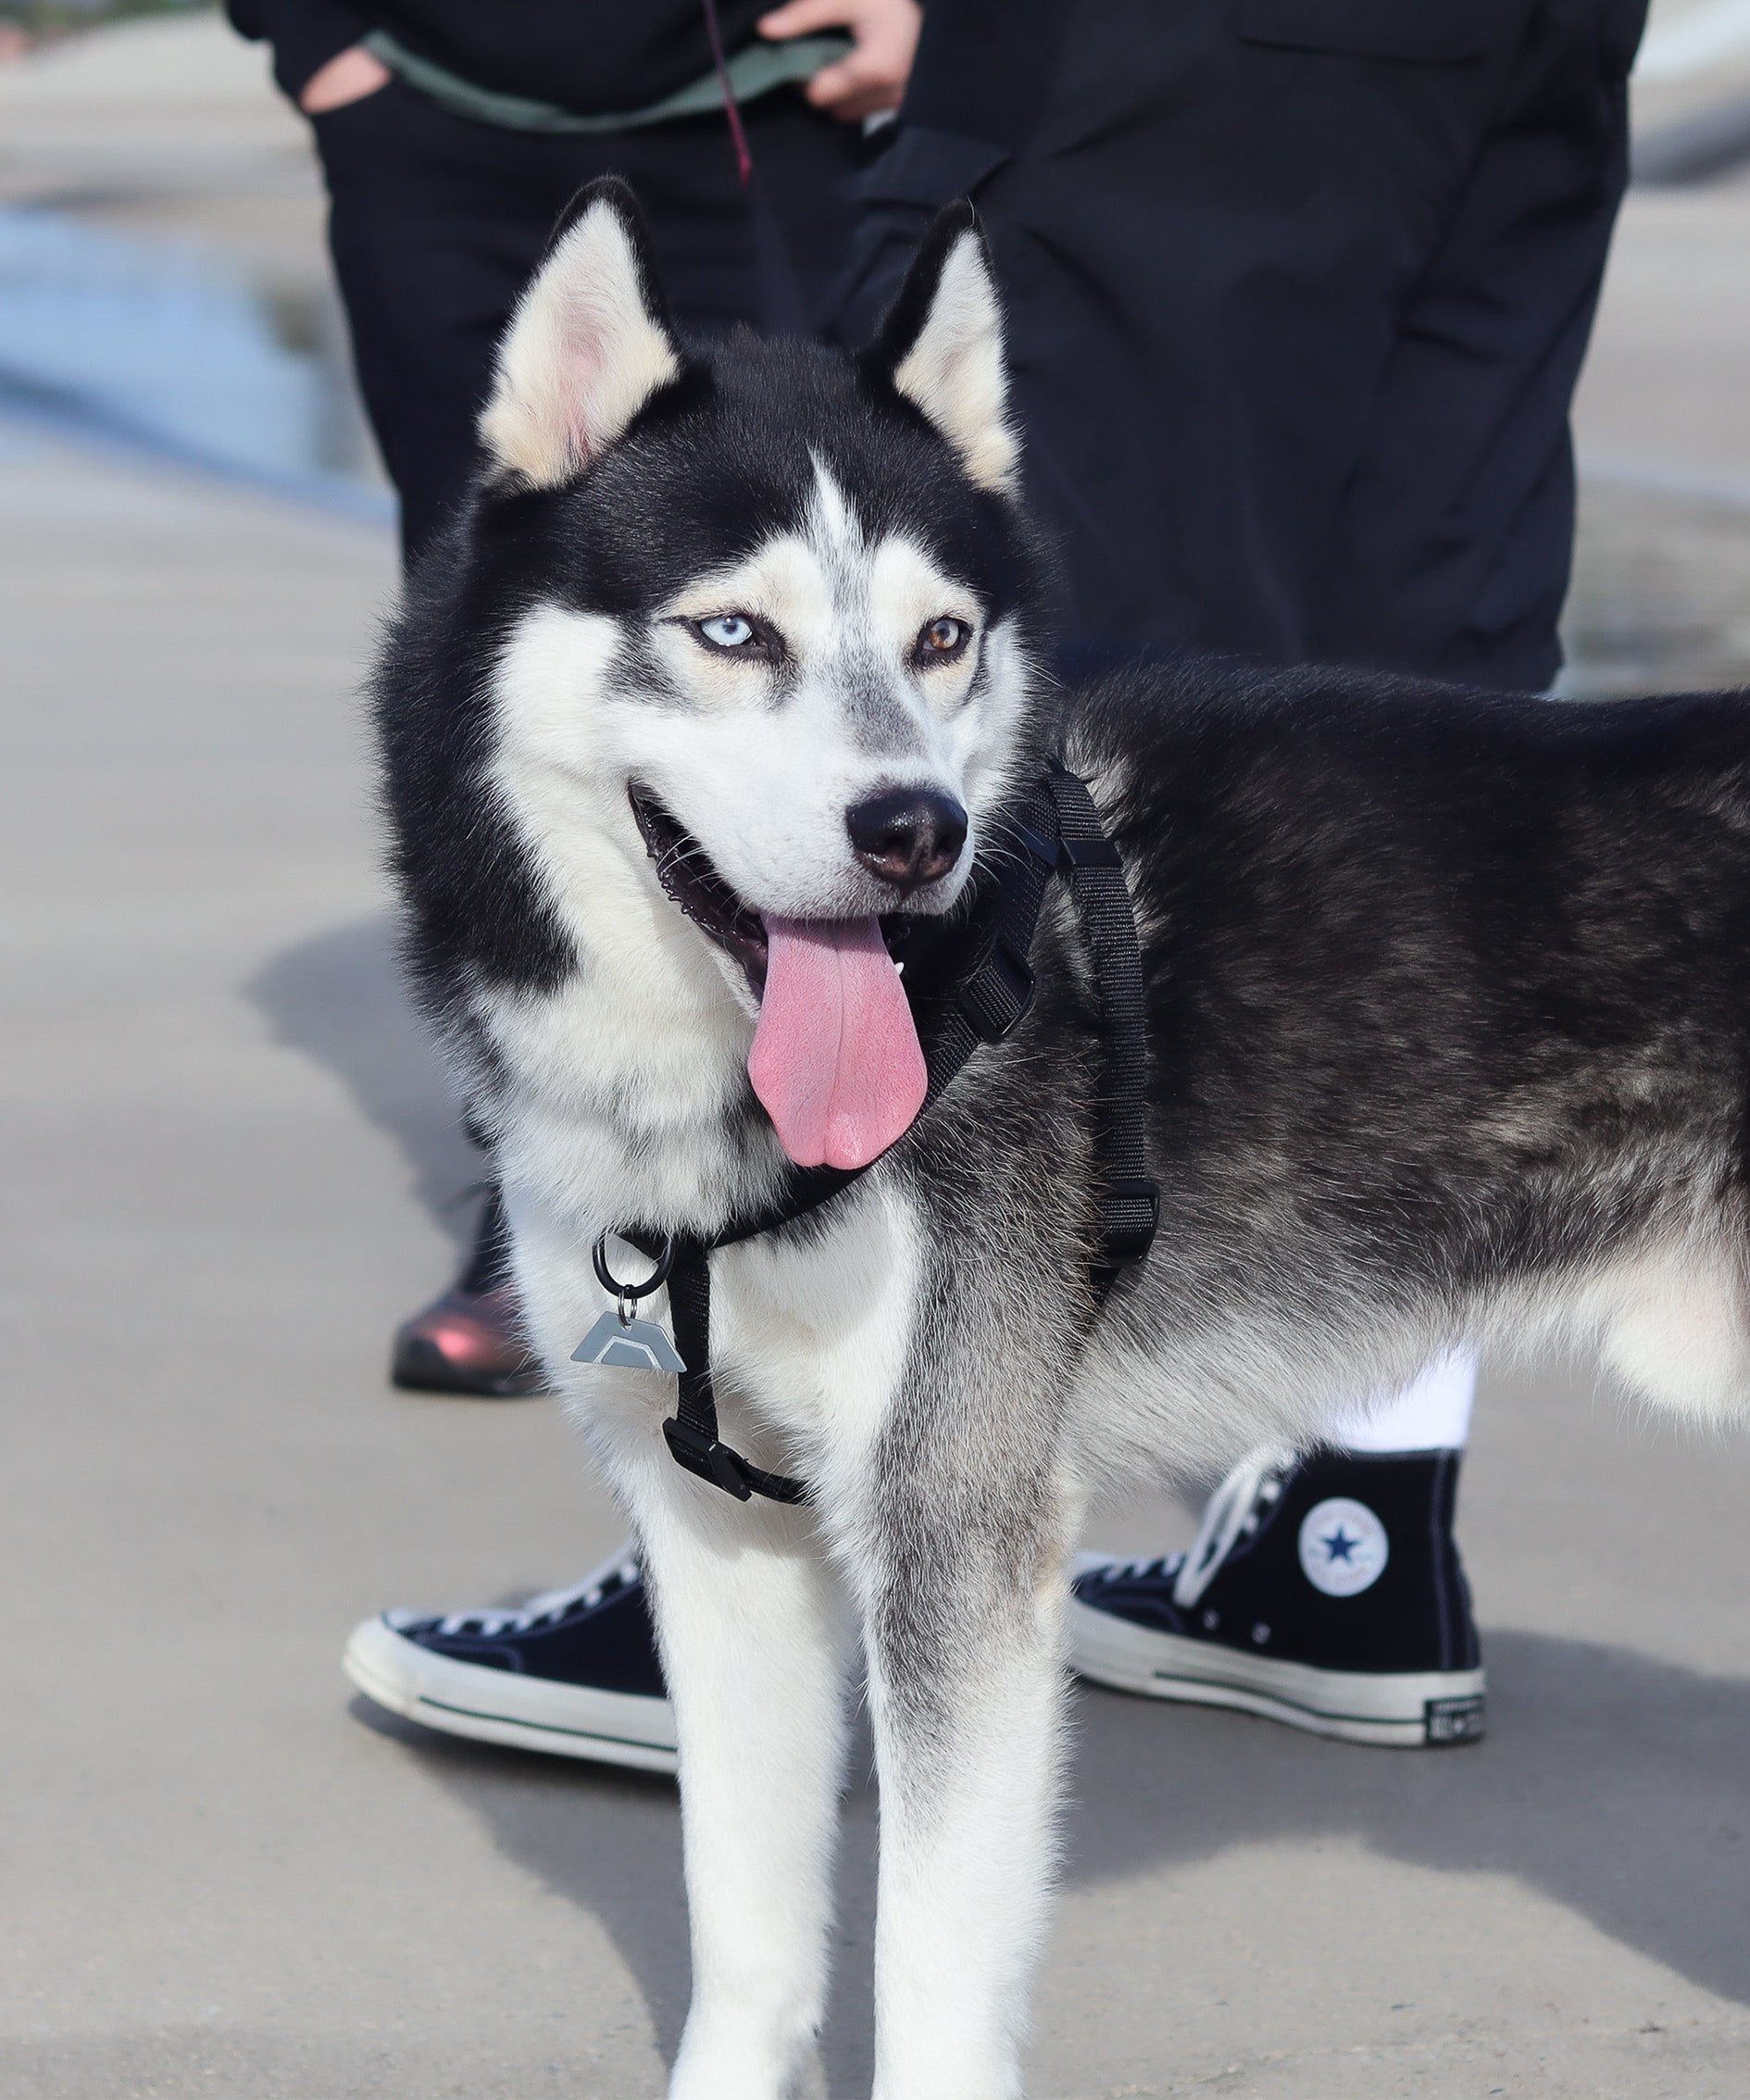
(685, 872)
(835, 1060)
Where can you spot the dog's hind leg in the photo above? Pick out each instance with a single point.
(751, 1629)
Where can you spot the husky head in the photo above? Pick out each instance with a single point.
(760, 611)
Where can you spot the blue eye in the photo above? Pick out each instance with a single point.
(727, 631)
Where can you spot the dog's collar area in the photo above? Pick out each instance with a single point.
(1054, 832)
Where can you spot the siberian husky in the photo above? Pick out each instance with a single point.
(729, 681)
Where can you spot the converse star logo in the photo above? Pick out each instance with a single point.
(1343, 1547)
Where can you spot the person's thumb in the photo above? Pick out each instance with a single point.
(801, 16)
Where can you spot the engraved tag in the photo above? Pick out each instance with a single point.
(627, 1344)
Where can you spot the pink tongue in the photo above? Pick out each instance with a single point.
(835, 1058)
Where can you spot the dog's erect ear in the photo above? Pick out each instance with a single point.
(588, 344)
(941, 347)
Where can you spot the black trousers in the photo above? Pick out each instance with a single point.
(1298, 292)
(436, 222)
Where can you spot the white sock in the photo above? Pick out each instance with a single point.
(1431, 1413)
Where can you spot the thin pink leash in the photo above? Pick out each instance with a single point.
(732, 109)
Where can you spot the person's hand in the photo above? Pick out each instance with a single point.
(349, 76)
(872, 77)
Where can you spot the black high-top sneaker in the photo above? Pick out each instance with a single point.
(469, 1340)
(573, 1672)
(1323, 1591)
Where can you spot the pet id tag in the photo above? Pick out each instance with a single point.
(620, 1340)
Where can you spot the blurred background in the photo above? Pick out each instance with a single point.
(162, 282)
(162, 276)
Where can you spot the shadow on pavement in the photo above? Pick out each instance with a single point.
(1612, 1783)
(338, 999)
(610, 1840)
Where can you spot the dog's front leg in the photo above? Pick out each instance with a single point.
(964, 1629)
(751, 1635)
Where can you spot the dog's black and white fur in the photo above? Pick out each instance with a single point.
(1450, 1023)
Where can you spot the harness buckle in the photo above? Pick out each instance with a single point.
(996, 997)
(1044, 848)
(1090, 852)
(707, 1457)
(1130, 1217)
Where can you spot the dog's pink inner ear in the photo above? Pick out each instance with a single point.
(582, 355)
(955, 369)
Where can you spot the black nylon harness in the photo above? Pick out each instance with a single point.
(1054, 830)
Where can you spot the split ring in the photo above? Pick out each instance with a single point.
(630, 1294)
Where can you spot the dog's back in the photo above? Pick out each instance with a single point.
(1450, 1021)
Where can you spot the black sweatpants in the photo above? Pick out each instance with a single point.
(1298, 292)
(436, 222)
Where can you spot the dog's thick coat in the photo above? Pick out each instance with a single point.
(1449, 1035)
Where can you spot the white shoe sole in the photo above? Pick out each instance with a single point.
(498, 1706)
(1422, 1709)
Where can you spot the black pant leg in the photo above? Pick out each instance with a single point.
(1220, 247)
(436, 223)
(1451, 555)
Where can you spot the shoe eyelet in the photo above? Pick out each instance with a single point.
(1260, 1634)
(1211, 1620)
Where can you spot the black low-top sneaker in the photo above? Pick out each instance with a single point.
(1325, 1592)
(573, 1672)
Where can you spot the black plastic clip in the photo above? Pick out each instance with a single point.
(1091, 852)
(710, 1459)
(1063, 856)
(1044, 848)
(1130, 1217)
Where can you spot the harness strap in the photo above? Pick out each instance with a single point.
(691, 1431)
(1129, 1211)
(1055, 830)
(996, 993)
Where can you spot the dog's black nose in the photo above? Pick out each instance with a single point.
(909, 837)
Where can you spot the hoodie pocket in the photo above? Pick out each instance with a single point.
(1421, 33)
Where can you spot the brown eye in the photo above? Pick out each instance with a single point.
(943, 637)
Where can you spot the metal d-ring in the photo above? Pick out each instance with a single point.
(627, 1295)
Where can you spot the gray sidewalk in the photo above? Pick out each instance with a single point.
(226, 1154)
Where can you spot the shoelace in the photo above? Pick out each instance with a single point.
(1161, 1569)
(551, 1607)
(1232, 1516)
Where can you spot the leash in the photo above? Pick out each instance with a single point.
(783, 308)
(1056, 833)
(757, 70)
